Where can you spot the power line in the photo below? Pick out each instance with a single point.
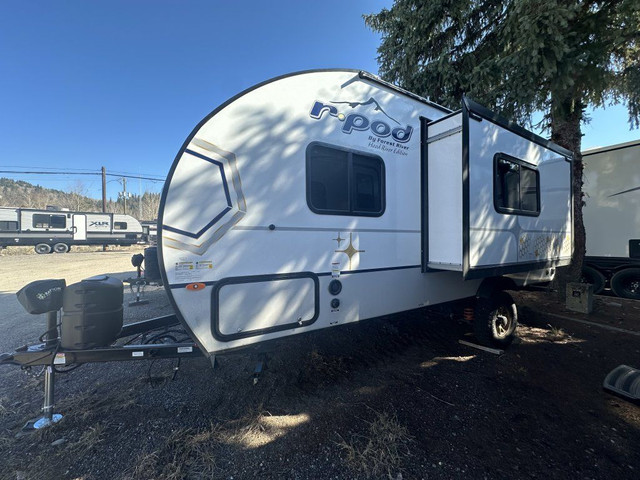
(71, 171)
(32, 172)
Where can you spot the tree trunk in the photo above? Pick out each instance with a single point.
(565, 131)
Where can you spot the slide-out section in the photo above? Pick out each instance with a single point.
(498, 199)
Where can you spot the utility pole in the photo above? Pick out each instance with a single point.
(104, 190)
(104, 197)
(124, 194)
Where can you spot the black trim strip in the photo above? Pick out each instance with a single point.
(484, 272)
(446, 117)
(424, 193)
(183, 285)
(370, 270)
(465, 191)
(484, 112)
(321, 274)
(215, 303)
(320, 229)
(378, 80)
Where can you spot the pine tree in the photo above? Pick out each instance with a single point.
(518, 57)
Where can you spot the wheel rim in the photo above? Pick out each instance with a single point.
(502, 322)
(632, 286)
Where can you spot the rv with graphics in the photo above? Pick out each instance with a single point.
(327, 197)
(55, 231)
(612, 218)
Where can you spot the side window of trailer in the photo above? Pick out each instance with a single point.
(8, 226)
(119, 225)
(516, 187)
(343, 182)
(49, 221)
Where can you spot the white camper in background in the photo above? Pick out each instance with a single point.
(327, 197)
(612, 218)
(54, 231)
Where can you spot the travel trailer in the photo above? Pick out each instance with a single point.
(319, 199)
(612, 218)
(55, 231)
(149, 231)
(327, 197)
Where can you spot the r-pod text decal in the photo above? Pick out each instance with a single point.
(359, 122)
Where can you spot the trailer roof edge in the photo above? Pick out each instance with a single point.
(611, 148)
(514, 127)
(376, 79)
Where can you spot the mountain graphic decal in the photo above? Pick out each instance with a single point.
(371, 101)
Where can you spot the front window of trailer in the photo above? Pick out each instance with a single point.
(344, 182)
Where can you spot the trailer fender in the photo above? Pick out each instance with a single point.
(491, 286)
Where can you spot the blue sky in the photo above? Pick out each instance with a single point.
(122, 83)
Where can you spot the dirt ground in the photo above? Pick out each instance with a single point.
(396, 397)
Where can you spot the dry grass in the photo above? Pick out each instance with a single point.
(4, 409)
(556, 334)
(88, 440)
(381, 450)
(184, 454)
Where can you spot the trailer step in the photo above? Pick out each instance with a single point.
(624, 381)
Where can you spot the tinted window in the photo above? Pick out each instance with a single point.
(516, 186)
(341, 182)
(119, 225)
(49, 221)
(58, 221)
(8, 226)
(40, 221)
(328, 178)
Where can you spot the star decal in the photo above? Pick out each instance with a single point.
(350, 251)
(339, 240)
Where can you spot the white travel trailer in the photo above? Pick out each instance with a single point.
(326, 197)
(612, 218)
(52, 231)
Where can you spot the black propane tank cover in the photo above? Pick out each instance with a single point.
(42, 296)
(151, 264)
(92, 313)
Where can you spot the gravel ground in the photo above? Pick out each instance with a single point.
(397, 398)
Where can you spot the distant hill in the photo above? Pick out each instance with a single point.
(18, 193)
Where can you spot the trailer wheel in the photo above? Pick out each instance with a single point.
(626, 283)
(61, 248)
(594, 277)
(42, 248)
(496, 319)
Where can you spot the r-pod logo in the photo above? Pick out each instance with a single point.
(359, 122)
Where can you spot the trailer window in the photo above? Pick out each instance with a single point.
(342, 182)
(516, 186)
(119, 225)
(49, 221)
(8, 226)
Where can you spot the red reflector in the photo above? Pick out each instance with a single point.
(195, 286)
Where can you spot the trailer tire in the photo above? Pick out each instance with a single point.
(495, 320)
(626, 283)
(594, 277)
(61, 248)
(42, 248)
